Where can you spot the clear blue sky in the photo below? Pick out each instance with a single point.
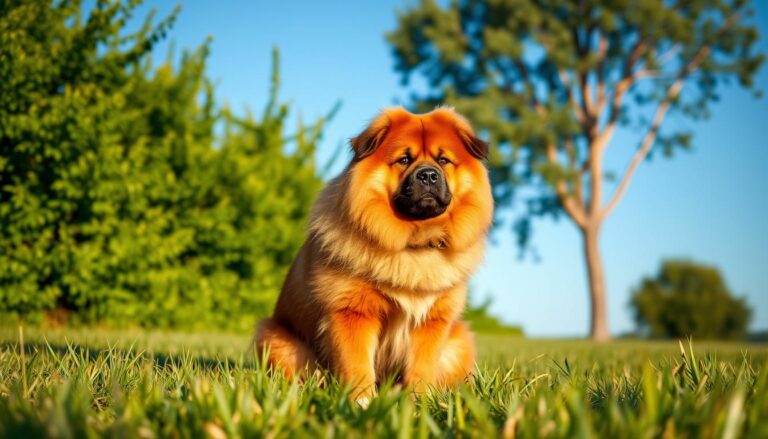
(709, 205)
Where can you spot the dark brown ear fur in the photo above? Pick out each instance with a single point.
(476, 146)
(369, 140)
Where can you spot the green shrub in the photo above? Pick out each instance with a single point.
(686, 299)
(483, 322)
(118, 203)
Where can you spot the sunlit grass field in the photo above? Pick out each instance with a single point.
(93, 383)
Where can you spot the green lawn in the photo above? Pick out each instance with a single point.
(92, 382)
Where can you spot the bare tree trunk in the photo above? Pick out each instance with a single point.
(599, 320)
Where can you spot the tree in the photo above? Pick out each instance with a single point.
(550, 82)
(118, 203)
(687, 299)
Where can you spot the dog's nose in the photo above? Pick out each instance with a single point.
(427, 176)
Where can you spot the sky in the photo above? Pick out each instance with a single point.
(709, 205)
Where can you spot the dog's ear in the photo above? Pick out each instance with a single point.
(369, 140)
(475, 145)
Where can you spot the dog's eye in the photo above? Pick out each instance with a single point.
(442, 161)
(405, 161)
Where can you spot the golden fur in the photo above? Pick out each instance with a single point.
(372, 294)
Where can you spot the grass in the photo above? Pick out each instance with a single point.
(93, 383)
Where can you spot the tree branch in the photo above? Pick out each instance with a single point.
(568, 86)
(666, 56)
(672, 92)
(583, 49)
(530, 91)
(565, 80)
(602, 51)
(570, 149)
(645, 146)
(600, 142)
(626, 81)
(586, 102)
(523, 69)
(571, 205)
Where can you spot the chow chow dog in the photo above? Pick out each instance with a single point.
(378, 289)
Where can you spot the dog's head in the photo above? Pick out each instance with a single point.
(419, 180)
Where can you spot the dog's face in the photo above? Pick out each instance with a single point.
(423, 192)
(419, 180)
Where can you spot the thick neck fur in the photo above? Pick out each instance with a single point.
(416, 266)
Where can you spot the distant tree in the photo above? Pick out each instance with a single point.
(688, 299)
(118, 203)
(549, 82)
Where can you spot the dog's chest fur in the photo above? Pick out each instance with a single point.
(395, 339)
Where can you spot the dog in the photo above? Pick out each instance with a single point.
(377, 290)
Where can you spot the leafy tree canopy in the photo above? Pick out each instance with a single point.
(549, 81)
(688, 299)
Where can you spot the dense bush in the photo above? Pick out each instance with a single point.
(119, 203)
(687, 299)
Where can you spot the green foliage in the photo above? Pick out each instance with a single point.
(687, 299)
(149, 385)
(118, 204)
(482, 321)
(548, 81)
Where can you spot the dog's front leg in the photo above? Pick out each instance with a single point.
(428, 340)
(353, 340)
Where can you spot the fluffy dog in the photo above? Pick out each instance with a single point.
(379, 286)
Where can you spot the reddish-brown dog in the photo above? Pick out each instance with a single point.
(378, 288)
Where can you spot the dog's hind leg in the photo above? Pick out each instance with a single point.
(284, 350)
